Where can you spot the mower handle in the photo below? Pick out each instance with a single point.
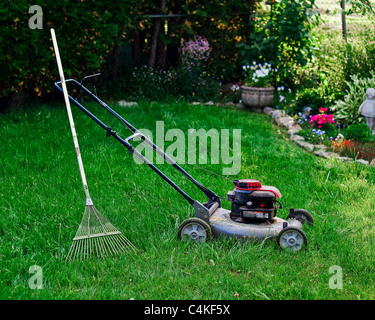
(200, 209)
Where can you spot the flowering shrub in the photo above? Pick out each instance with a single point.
(302, 119)
(321, 120)
(192, 80)
(258, 75)
(315, 136)
(318, 128)
(194, 53)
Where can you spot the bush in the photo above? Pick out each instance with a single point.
(189, 80)
(346, 110)
(85, 36)
(358, 132)
(283, 38)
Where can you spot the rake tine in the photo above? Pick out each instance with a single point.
(97, 237)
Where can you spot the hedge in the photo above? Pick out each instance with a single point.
(86, 34)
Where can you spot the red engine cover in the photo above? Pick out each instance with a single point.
(253, 185)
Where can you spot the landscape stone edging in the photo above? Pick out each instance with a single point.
(281, 119)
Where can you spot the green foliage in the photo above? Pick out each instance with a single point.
(85, 34)
(358, 132)
(338, 61)
(151, 84)
(346, 110)
(282, 36)
(362, 7)
(224, 24)
(154, 84)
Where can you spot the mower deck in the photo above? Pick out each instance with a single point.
(223, 225)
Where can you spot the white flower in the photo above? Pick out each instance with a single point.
(282, 98)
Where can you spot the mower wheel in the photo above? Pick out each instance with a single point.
(302, 216)
(195, 229)
(291, 238)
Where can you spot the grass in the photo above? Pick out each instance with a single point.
(42, 202)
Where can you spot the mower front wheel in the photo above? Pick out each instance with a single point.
(195, 229)
(292, 239)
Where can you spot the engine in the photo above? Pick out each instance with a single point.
(252, 202)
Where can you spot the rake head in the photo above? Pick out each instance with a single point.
(96, 237)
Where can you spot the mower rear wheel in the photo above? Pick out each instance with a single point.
(302, 216)
(195, 229)
(292, 239)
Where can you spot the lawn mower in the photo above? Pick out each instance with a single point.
(253, 206)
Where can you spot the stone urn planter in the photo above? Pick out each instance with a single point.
(255, 97)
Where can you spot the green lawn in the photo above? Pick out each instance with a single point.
(42, 202)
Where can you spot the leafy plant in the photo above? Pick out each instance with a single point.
(346, 110)
(358, 132)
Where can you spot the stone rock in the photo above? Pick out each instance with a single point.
(326, 154)
(305, 145)
(296, 137)
(278, 114)
(240, 105)
(308, 146)
(362, 161)
(294, 129)
(372, 163)
(123, 103)
(319, 153)
(345, 159)
(331, 155)
(196, 103)
(268, 110)
(320, 147)
(209, 103)
(285, 121)
(294, 126)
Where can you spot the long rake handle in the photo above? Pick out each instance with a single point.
(70, 116)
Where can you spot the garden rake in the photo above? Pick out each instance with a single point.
(96, 236)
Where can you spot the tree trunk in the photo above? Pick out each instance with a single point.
(155, 35)
(343, 20)
(162, 52)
